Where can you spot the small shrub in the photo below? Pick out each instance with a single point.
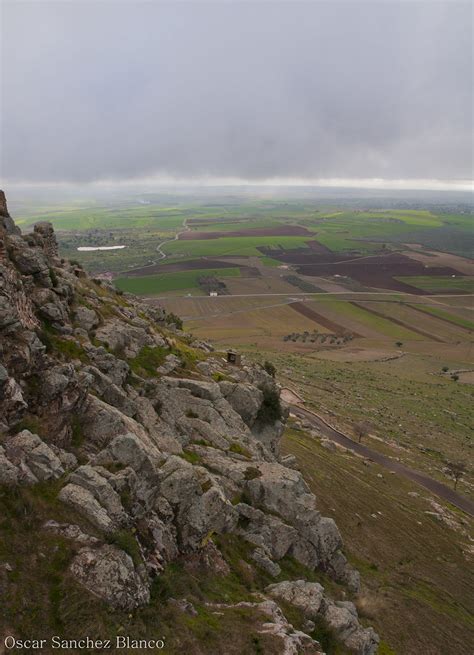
(206, 486)
(252, 472)
(126, 542)
(148, 360)
(191, 414)
(236, 499)
(270, 409)
(239, 450)
(192, 458)
(158, 406)
(173, 318)
(53, 277)
(269, 368)
(77, 436)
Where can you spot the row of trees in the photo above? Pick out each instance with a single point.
(316, 337)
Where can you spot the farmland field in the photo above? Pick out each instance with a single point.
(440, 284)
(366, 312)
(156, 284)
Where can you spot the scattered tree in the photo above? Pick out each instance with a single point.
(361, 429)
(456, 470)
(454, 377)
(445, 369)
(399, 344)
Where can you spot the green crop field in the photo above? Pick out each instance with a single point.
(154, 284)
(437, 283)
(232, 225)
(167, 219)
(237, 246)
(452, 318)
(382, 325)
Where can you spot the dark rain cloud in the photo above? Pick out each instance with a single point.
(111, 89)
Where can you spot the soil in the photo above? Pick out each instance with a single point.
(191, 265)
(303, 309)
(277, 230)
(377, 271)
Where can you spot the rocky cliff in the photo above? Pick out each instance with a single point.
(137, 451)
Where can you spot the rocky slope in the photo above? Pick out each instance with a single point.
(148, 451)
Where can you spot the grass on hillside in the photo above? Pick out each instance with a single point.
(416, 582)
(418, 413)
(40, 592)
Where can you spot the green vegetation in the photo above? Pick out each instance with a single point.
(155, 284)
(304, 285)
(148, 360)
(239, 450)
(189, 456)
(448, 316)
(382, 325)
(269, 368)
(67, 347)
(440, 283)
(270, 409)
(126, 541)
(412, 568)
(224, 246)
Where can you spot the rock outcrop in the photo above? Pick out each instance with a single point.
(102, 397)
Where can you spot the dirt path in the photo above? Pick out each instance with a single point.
(441, 490)
(162, 255)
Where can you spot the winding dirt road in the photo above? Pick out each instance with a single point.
(162, 254)
(441, 490)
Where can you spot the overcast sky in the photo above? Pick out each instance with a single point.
(252, 90)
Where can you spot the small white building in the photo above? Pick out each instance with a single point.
(213, 293)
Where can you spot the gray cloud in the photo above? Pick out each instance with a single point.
(95, 90)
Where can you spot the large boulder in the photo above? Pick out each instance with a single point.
(200, 507)
(244, 399)
(29, 261)
(341, 617)
(126, 339)
(90, 478)
(9, 473)
(28, 449)
(83, 502)
(86, 318)
(114, 367)
(12, 402)
(101, 423)
(110, 574)
(266, 530)
(306, 596)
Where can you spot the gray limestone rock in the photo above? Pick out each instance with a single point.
(29, 449)
(110, 574)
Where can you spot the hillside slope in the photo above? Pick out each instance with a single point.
(142, 491)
